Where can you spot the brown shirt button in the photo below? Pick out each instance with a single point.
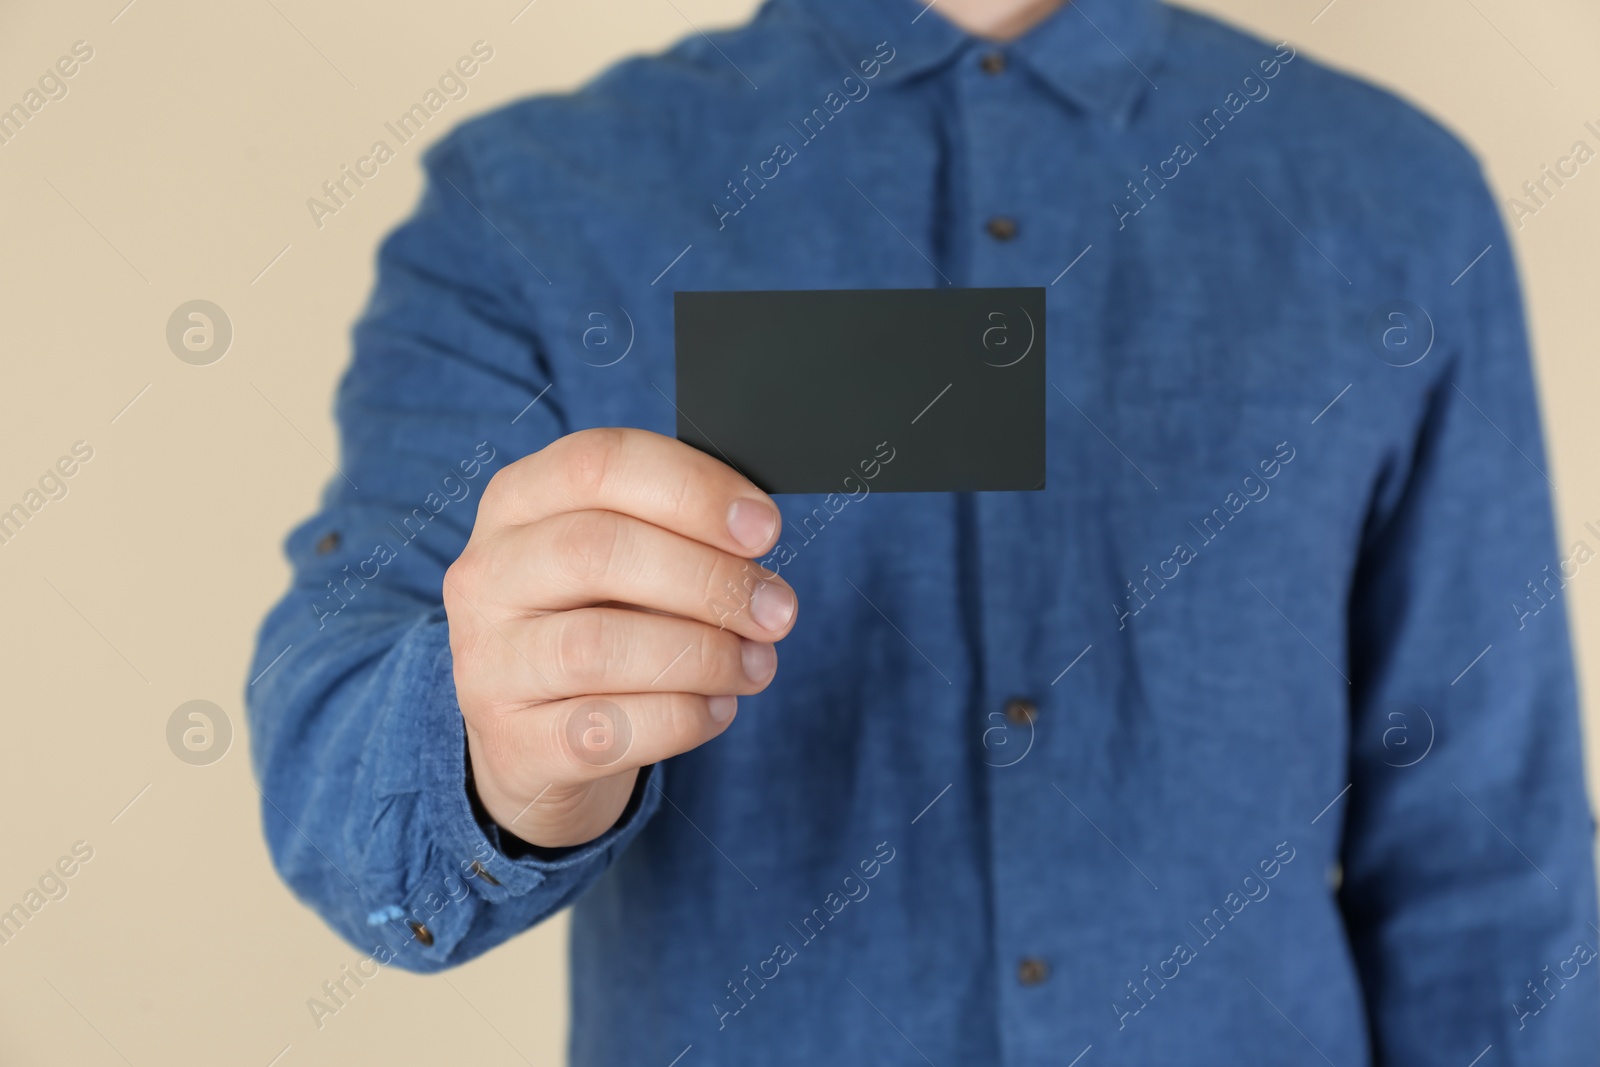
(1032, 971)
(483, 872)
(1001, 228)
(992, 62)
(422, 933)
(1021, 711)
(328, 542)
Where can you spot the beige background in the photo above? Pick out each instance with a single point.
(177, 167)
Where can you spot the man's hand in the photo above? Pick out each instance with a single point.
(604, 615)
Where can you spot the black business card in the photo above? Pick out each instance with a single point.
(799, 389)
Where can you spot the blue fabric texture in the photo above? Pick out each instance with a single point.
(1302, 780)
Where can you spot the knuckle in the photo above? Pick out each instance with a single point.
(586, 544)
(727, 589)
(704, 661)
(587, 456)
(489, 500)
(684, 493)
(496, 495)
(582, 641)
(685, 715)
(460, 578)
(713, 581)
(721, 658)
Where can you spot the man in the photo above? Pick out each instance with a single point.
(1251, 736)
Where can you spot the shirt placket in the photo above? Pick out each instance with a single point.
(1025, 726)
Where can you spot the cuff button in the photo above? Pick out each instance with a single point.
(421, 933)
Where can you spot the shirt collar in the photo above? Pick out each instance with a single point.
(1099, 54)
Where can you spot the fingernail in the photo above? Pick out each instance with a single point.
(772, 606)
(722, 708)
(751, 522)
(760, 659)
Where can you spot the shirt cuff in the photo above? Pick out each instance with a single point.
(494, 868)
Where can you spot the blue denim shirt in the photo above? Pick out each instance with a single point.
(1251, 737)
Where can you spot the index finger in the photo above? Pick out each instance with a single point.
(636, 472)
